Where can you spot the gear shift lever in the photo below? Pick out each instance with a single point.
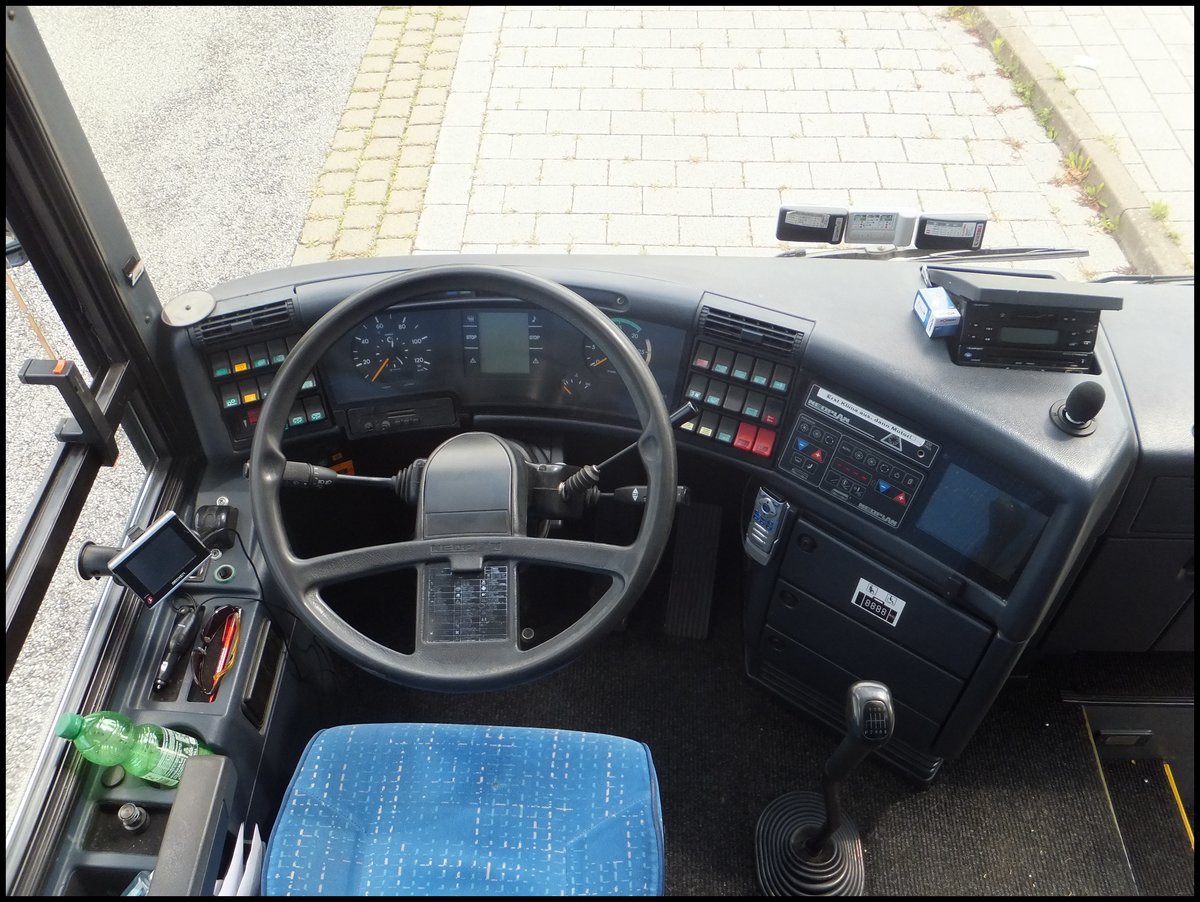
(804, 844)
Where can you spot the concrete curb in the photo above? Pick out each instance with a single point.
(1143, 238)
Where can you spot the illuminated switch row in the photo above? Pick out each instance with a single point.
(734, 399)
(728, 431)
(742, 367)
(251, 391)
(310, 410)
(237, 361)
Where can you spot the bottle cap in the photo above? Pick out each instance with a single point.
(68, 725)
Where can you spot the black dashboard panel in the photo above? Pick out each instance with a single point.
(936, 516)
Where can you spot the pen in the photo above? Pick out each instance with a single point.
(181, 638)
(227, 638)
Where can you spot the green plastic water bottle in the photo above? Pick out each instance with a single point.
(154, 753)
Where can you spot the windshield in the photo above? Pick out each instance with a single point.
(238, 140)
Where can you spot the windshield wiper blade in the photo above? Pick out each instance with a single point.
(888, 252)
(1149, 280)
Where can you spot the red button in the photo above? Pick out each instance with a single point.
(901, 498)
(818, 455)
(765, 443)
(744, 440)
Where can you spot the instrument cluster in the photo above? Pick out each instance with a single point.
(493, 357)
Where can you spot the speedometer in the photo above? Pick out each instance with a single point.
(597, 360)
(391, 349)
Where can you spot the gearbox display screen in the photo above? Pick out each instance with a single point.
(503, 342)
(986, 526)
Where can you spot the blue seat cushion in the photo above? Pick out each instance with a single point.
(442, 809)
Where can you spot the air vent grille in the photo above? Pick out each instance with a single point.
(752, 333)
(245, 323)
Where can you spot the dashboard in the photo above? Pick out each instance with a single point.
(935, 523)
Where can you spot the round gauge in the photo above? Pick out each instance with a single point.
(575, 386)
(598, 361)
(391, 349)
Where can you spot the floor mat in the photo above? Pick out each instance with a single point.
(1023, 811)
(1155, 833)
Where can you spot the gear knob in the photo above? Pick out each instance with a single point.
(870, 719)
(870, 716)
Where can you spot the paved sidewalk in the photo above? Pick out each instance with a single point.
(1121, 84)
(681, 130)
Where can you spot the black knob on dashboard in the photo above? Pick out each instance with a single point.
(1076, 415)
(1083, 403)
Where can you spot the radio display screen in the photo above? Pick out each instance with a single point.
(988, 528)
(1020, 335)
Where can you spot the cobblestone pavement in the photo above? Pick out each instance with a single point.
(497, 129)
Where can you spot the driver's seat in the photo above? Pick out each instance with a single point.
(439, 810)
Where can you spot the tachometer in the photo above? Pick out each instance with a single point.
(597, 360)
(391, 349)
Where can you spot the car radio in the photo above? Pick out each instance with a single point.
(1023, 321)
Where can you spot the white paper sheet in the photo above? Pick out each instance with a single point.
(252, 878)
(233, 876)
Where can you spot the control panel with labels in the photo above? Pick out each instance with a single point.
(742, 397)
(242, 378)
(857, 457)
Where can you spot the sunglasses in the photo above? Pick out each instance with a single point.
(216, 650)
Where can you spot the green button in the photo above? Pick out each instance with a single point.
(297, 420)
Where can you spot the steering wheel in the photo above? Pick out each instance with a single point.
(471, 515)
